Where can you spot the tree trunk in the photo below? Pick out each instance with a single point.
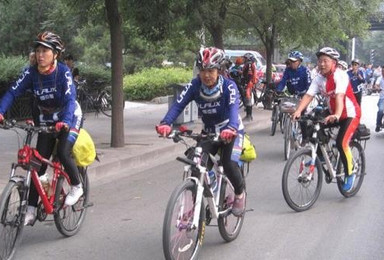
(117, 123)
(217, 36)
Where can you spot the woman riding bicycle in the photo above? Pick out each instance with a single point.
(334, 84)
(54, 105)
(249, 80)
(218, 101)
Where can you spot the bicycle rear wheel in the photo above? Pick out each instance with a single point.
(180, 239)
(301, 187)
(105, 103)
(12, 219)
(358, 160)
(68, 219)
(274, 119)
(229, 225)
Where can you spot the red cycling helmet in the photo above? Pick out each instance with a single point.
(210, 58)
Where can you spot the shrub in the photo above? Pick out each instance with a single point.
(154, 82)
(10, 69)
(97, 76)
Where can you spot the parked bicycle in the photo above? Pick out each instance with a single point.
(14, 198)
(186, 215)
(97, 100)
(303, 173)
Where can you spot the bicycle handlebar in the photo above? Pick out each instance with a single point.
(8, 124)
(177, 135)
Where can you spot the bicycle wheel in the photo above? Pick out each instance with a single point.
(12, 219)
(68, 219)
(301, 188)
(274, 119)
(287, 137)
(282, 120)
(180, 239)
(105, 101)
(358, 159)
(229, 224)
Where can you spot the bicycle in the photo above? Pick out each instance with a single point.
(14, 198)
(99, 101)
(303, 173)
(186, 217)
(278, 117)
(292, 130)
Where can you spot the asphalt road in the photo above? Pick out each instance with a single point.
(126, 220)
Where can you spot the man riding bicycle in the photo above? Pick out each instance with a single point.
(333, 83)
(296, 77)
(218, 101)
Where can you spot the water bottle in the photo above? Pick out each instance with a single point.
(212, 180)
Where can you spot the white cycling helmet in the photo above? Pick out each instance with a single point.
(210, 58)
(330, 52)
(343, 64)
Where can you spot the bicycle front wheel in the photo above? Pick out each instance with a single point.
(12, 219)
(301, 183)
(274, 119)
(105, 101)
(68, 219)
(358, 160)
(287, 137)
(181, 240)
(229, 224)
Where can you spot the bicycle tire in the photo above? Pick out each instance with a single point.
(68, 219)
(105, 103)
(185, 242)
(283, 119)
(274, 119)
(287, 138)
(358, 157)
(12, 219)
(229, 224)
(299, 192)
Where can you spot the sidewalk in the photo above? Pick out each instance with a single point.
(143, 148)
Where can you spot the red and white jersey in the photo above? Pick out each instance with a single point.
(335, 83)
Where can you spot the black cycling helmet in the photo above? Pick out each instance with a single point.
(50, 40)
(355, 61)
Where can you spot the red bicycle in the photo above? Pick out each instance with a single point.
(14, 198)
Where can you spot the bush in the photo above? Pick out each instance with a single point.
(10, 69)
(97, 76)
(154, 82)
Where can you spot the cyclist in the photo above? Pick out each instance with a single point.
(357, 79)
(218, 103)
(380, 104)
(342, 65)
(296, 76)
(249, 80)
(236, 73)
(334, 84)
(55, 105)
(297, 79)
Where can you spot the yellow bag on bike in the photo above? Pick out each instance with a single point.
(84, 150)
(249, 152)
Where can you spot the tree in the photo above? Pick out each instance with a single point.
(301, 23)
(114, 20)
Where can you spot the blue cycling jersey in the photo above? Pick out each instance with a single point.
(216, 115)
(54, 93)
(297, 81)
(355, 80)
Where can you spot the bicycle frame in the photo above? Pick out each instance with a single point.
(29, 159)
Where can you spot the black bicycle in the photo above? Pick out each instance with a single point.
(304, 171)
(99, 100)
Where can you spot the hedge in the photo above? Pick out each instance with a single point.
(154, 82)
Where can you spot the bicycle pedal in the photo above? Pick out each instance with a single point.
(249, 210)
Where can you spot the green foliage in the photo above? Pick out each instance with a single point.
(10, 69)
(97, 76)
(154, 82)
